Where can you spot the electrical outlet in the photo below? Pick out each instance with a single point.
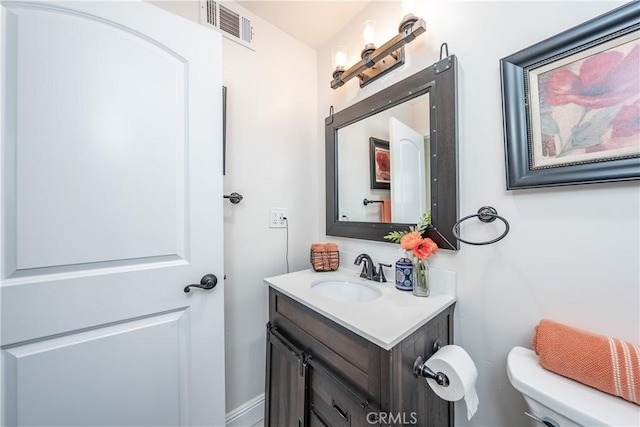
(277, 217)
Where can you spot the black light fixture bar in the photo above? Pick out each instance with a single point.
(382, 60)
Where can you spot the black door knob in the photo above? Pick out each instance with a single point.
(208, 281)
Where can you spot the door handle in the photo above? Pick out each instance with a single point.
(208, 281)
(234, 197)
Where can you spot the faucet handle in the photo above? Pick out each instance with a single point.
(380, 276)
(365, 270)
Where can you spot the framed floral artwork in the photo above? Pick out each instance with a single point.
(380, 163)
(571, 105)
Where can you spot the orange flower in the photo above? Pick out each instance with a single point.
(410, 240)
(425, 248)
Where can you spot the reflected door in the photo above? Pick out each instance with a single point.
(408, 183)
(111, 205)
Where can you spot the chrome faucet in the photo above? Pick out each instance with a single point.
(369, 270)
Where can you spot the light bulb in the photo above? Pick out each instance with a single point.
(408, 6)
(369, 33)
(339, 54)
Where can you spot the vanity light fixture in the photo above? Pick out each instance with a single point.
(368, 38)
(339, 55)
(376, 62)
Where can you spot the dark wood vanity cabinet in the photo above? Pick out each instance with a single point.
(319, 373)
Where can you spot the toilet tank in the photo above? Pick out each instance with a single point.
(563, 400)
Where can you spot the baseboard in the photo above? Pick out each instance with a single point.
(247, 414)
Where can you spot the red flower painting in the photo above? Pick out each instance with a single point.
(589, 108)
(625, 130)
(382, 158)
(383, 165)
(627, 121)
(604, 80)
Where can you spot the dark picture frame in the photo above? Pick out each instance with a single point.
(557, 130)
(380, 164)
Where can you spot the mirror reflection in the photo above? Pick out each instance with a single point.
(392, 157)
(383, 165)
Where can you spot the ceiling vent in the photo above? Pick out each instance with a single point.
(231, 24)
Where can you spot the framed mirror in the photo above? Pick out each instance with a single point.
(393, 156)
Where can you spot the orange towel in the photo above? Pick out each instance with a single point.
(317, 252)
(330, 247)
(317, 247)
(332, 256)
(325, 256)
(386, 211)
(608, 364)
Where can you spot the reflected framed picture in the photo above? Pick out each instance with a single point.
(571, 105)
(380, 163)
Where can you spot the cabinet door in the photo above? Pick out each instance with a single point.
(286, 382)
(412, 398)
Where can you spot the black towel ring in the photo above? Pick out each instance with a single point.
(485, 214)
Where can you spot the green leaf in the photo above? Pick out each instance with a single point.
(548, 126)
(423, 223)
(590, 133)
(395, 236)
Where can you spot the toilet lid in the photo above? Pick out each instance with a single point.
(578, 402)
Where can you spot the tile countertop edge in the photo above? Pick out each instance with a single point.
(300, 292)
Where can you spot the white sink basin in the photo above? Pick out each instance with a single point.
(345, 290)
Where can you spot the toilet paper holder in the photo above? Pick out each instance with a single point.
(420, 369)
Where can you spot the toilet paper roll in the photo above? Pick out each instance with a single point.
(456, 364)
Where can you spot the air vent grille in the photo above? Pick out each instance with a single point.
(229, 21)
(233, 25)
(212, 13)
(247, 30)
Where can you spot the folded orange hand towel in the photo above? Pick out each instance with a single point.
(317, 252)
(330, 247)
(324, 256)
(608, 364)
(317, 247)
(332, 257)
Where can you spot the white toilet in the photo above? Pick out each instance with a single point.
(559, 401)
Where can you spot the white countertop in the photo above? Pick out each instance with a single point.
(384, 321)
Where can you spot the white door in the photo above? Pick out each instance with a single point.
(111, 204)
(408, 182)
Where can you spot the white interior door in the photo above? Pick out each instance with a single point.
(408, 182)
(111, 204)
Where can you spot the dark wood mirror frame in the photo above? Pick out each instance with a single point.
(440, 82)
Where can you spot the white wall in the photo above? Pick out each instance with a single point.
(573, 252)
(271, 160)
(272, 146)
